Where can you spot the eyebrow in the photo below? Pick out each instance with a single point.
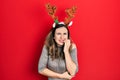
(60, 32)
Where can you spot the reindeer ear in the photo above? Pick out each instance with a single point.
(54, 24)
(70, 23)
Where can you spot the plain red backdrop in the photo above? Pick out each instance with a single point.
(95, 30)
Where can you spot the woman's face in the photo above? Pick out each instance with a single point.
(61, 34)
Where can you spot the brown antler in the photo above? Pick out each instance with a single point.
(51, 11)
(70, 14)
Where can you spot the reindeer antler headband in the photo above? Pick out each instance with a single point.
(67, 21)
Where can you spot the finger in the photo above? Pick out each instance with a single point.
(66, 40)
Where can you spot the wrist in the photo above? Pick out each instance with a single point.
(66, 52)
(59, 76)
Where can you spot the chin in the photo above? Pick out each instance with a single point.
(61, 44)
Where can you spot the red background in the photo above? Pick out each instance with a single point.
(95, 30)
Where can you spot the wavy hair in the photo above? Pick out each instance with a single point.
(52, 45)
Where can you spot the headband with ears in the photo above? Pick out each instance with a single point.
(67, 21)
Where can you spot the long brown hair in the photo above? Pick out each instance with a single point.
(52, 45)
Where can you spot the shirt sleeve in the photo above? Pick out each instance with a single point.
(74, 57)
(43, 59)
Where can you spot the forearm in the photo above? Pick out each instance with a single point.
(71, 66)
(49, 73)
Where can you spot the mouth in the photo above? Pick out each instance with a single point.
(61, 41)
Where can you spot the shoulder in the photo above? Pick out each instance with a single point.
(45, 47)
(73, 46)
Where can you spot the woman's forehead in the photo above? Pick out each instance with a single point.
(61, 29)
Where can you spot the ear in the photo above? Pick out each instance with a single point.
(70, 23)
(54, 25)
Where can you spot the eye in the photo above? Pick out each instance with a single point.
(65, 33)
(58, 33)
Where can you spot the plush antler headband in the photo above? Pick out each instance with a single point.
(67, 21)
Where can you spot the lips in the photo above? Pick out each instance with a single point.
(61, 41)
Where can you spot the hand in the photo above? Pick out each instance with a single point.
(67, 45)
(65, 75)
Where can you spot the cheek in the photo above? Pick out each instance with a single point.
(66, 36)
(56, 38)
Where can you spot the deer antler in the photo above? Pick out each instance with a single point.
(70, 14)
(51, 11)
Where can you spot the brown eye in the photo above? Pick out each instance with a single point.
(58, 33)
(65, 33)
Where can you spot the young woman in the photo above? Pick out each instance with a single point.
(58, 59)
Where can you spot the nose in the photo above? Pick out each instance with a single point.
(62, 36)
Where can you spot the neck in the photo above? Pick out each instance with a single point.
(60, 45)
